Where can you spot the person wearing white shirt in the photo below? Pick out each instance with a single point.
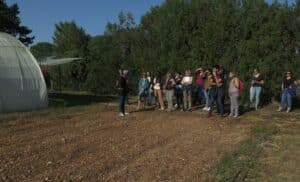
(187, 82)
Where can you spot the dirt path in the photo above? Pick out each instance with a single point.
(95, 144)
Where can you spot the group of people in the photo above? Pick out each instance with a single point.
(204, 85)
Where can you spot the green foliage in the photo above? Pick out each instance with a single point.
(109, 52)
(244, 161)
(185, 34)
(10, 23)
(71, 41)
(42, 50)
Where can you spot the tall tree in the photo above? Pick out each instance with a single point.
(42, 50)
(70, 40)
(10, 22)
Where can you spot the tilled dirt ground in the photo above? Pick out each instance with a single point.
(94, 144)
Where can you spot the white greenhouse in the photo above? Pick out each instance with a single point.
(22, 85)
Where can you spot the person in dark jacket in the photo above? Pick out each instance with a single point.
(122, 91)
(178, 91)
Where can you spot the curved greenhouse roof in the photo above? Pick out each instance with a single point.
(7, 40)
(22, 83)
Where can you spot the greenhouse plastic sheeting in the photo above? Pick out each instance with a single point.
(53, 62)
(22, 85)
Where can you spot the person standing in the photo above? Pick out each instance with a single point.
(207, 84)
(169, 90)
(143, 90)
(256, 87)
(122, 91)
(289, 90)
(178, 91)
(214, 95)
(150, 91)
(234, 94)
(220, 80)
(200, 85)
(157, 91)
(187, 82)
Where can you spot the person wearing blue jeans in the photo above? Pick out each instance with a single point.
(255, 92)
(150, 91)
(206, 95)
(216, 93)
(122, 100)
(178, 91)
(256, 87)
(288, 87)
(207, 85)
(122, 91)
(143, 90)
(200, 85)
(220, 106)
(286, 97)
(215, 97)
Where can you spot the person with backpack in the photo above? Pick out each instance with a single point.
(122, 91)
(143, 90)
(169, 90)
(256, 87)
(234, 93)
(289, 89)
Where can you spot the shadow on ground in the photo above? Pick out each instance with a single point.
(74, 99)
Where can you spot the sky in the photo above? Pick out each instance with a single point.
(93, 15)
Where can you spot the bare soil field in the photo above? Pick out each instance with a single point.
(92, 143)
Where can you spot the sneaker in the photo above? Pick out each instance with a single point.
(279, 109)
(288, 110)
(208, 109)
(126, 113)
(222, 115)
(121, 114)
(204, 109)
(235, 116)
(230, 115)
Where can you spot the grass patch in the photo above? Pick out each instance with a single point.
(243, 163)
(283, 161)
